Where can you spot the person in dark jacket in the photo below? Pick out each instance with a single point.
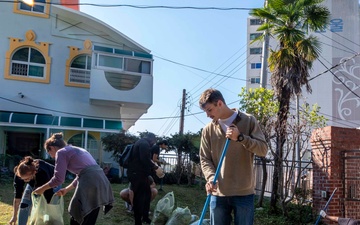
(29, 174)
(155, 157)
(140, 168)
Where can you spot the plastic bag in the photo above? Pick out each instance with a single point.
(204, 222)
(163, 209)
(44, 213)
(194, 218)
(180, 216)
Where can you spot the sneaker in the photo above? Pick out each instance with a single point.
(130, 211)
(127, 205)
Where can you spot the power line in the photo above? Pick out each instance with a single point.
(341, 72)
(329, 69)
(212, 73)
(341, 49)
(145, 6)
(352, 51)
(202, 70)
(342, 82)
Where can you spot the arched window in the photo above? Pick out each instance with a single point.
(79, 140)
(80, 70)
(28, 62)
(78, 66)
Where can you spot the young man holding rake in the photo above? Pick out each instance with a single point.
(234, 189)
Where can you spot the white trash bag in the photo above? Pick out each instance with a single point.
(43, 213)
(180, 216)
(163, 209)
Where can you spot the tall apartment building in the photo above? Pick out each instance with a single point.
(337, 90)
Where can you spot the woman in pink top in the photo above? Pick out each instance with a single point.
(92, 188)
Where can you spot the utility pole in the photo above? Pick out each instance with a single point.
(265, 55)
(182, 116)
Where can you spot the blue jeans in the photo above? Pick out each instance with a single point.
(222, 207)
(26, 204)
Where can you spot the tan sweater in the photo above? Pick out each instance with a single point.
(236, 177)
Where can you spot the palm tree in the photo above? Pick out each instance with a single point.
(290, 22)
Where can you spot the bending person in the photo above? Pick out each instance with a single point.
(29, 174)
(93, 189)
(127, 194)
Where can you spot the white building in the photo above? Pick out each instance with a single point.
(337, 91)
(65, 71)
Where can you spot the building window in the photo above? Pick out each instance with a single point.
(255, 65)
(255, 80)
(254, 22)
(27, 60)
(255, 51)
(78, 66)
(253, 36)
(41, 8)
(119, 60)
(122, 63)
(80, 70)
(137, 66)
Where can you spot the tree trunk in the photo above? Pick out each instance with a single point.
(280, 131)
(179, 167)
(264, 180)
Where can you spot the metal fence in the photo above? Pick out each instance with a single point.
(305, 179)
(171, 161)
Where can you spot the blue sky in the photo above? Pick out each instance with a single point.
(211, 40)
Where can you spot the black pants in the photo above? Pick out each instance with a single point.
(142, 195)
(89, 219)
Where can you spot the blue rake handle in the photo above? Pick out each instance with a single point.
(326, 206)
(214, 181)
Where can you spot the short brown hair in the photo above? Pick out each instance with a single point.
(210, 95)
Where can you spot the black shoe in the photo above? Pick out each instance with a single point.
(147, 221)
(161, 189)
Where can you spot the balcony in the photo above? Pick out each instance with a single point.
(125, 90)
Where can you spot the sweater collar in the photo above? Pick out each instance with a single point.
(236, 120)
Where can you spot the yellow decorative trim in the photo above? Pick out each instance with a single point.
(71, 133)
(45, 14)
(17, 43)
(75, 52)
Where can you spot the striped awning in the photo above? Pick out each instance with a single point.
(59, 121)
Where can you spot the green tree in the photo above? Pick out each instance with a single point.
(260, 102)
(289, 22)
(115, 143)
(185, 148)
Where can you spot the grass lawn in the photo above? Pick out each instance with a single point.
(192, 197)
